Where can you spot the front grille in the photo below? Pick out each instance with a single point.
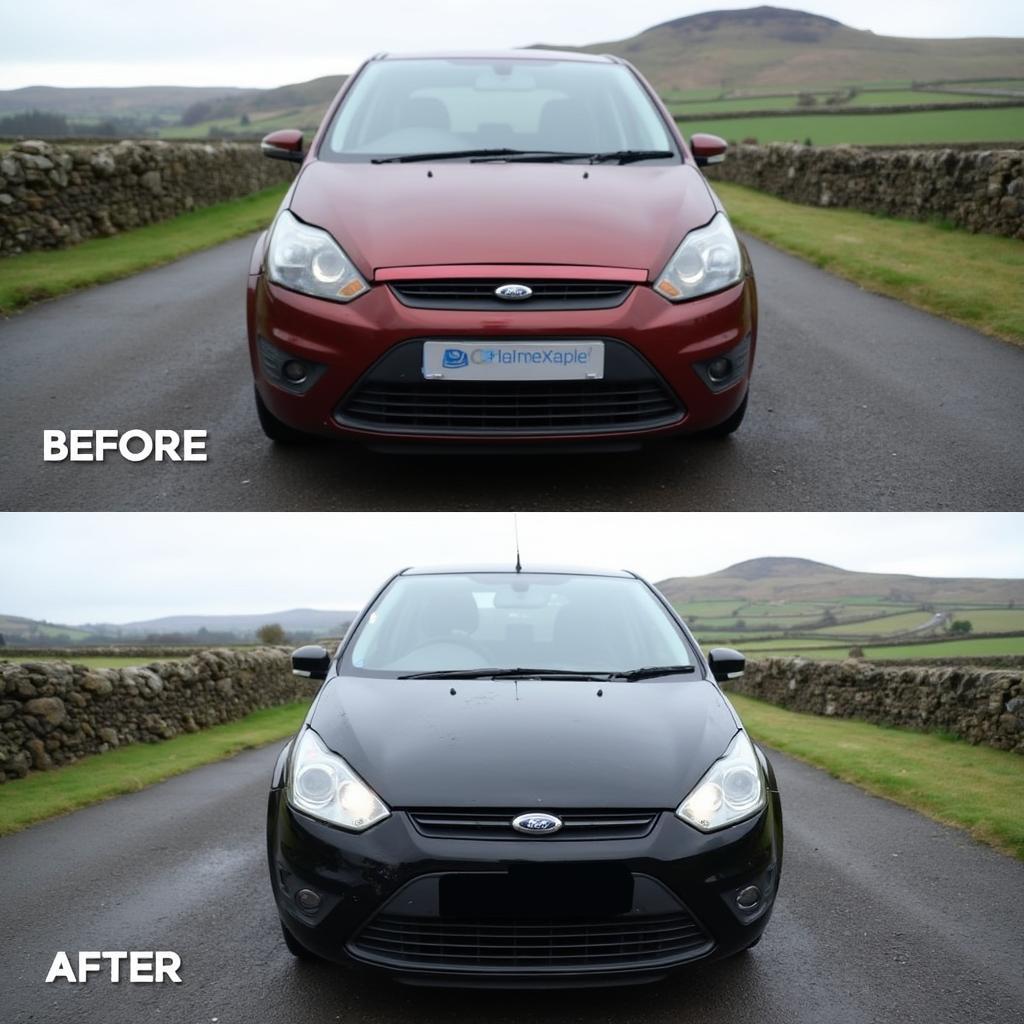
(498, 825)
(479, 294)
(522, 407)
(633, 940)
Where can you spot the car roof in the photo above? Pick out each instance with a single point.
(524, 54)
(509, 567)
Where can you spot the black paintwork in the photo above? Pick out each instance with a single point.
(521, 745)
(526, 743)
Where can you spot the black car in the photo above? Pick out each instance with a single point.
(522, 778)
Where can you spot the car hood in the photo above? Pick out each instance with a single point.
(531, 743)
(399, 215)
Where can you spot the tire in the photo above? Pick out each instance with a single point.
(296, 949)
(278, 432)
(731, 425)
(747, 949)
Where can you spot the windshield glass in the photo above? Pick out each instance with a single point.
(401, 107)
(507, 621)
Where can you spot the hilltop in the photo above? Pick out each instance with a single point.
(799, 579)
(765, 48)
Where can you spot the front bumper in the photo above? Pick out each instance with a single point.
(379, 895)
(365, 344)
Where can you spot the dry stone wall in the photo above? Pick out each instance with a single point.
(981, 190)
(53, 195)
(54, 712)
(977, 704)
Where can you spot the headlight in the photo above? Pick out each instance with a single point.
(731, 790)
(708, 260)
(308, 260)
(321, 785)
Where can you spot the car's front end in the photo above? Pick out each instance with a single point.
(457, 897)
(510, 300)
(454, 822)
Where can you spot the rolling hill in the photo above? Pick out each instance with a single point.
(137, 101)
(755, 51)
(302, 619)
(767, 580)
(796, 606)
(18, 630)
(765, 48)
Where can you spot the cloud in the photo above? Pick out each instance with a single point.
(85, 567)
(252, 44)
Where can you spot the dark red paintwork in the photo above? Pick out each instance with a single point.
(509, 221)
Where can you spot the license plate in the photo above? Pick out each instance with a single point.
(513, 360)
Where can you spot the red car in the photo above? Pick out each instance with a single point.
(499, 248)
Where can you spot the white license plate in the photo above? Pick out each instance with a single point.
(513, 360)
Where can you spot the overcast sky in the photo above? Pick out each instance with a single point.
(109, 567)
(253, 43)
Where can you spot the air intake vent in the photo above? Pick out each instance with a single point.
(530, 945)
(516, 407)
(498, 825)
(481, 295)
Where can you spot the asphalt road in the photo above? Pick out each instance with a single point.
(858, 403)
(883, 916)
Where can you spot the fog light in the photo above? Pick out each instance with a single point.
(294, 371)
(719, 369)
(748, 898)
(307, 899)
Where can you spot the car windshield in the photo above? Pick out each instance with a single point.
(435, 106)
(509, 621)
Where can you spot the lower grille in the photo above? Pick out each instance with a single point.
(480, 294)
(530, 945)
(498, 825)
(513, 406)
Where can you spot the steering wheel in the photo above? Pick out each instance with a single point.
(456, 640)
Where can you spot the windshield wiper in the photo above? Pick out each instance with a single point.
(533, 156)
(651, 672)
(624, 156)
(506, 673)
(450, 154)
(628, 156)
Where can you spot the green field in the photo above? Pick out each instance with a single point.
(888, 98)
(98, 777)
(882, 626)
(304, 118)
(927, 126)
(993, 620)
(974, 788)
(977, 647)
(42, 275)
(903, 259)
(1012, 84)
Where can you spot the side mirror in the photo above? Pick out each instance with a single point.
(311, 661)
(706, 149)
(285, 144)
(725, 663)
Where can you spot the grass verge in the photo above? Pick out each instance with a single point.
(42, 275)
(900, 258)
(974, 788)
(924, 126)
(127, 769)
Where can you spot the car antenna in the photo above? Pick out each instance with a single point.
(515, 528)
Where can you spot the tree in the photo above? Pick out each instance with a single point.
(961, 627)
(244, 119)
(856, 652)
(271, 634)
